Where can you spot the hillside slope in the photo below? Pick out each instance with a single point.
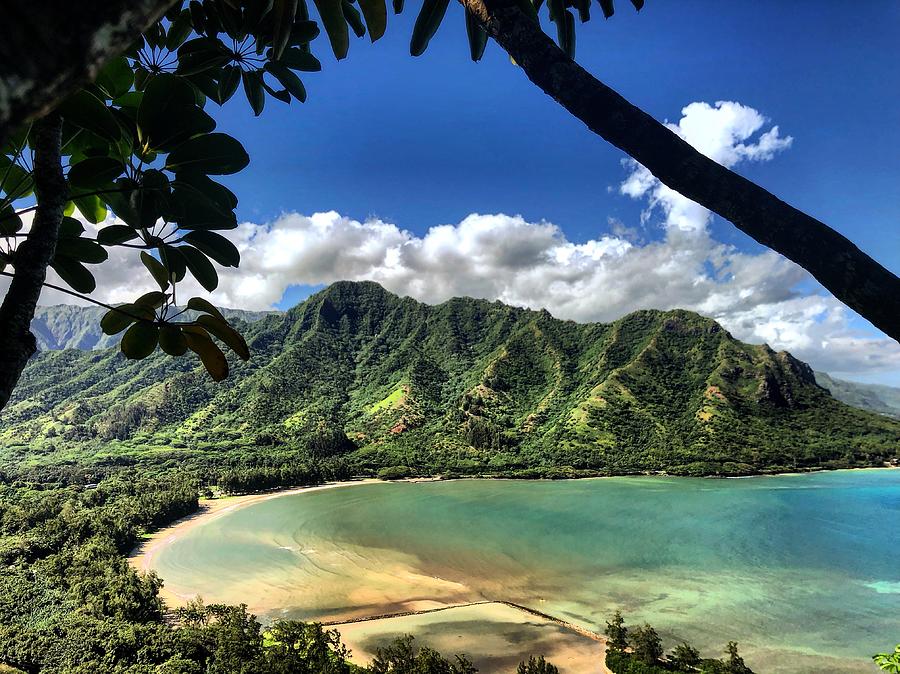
(872, 397)
(467, 385)
(66, 326)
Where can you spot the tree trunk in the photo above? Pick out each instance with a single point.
(49, 49)
(851, 275)
(32, 256)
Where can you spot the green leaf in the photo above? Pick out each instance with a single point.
(231, 337)
(215, 246)
(75, 274)
(638, 4)
(288, 80)
(200, 267)
(201, 54)
(607, 7)
(116, 77)
(152, 300)
(14, 180)
(478, 37)
(375, 13)
(168, 114)
(216, 192)
(228, 84)
(335, 25)
(95, 172)
(303, 32)
(140, 340)
(213, 153)
(10, 222)
(200, 304)
(353, 18)
(172, 341)
(198, 16)
(116, 320)
(69, 227)
(567, 38)
(179, 30)
(297, 59)
(93, 210)
(193, 209)
(115, 234)
(121, 202)
(253, 90)
(211, 356)
(284, 12)
(89, 112)
(83, 250)
(156, 269)
(427, 23)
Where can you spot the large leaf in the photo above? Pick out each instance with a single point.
(172, 341)
(427, 23)
(116, 77)
(215, 246)
(200, 304)
(95, 172)
(89, 112)
(253, 89)
(213, 153)
(335, 25)
(93, 210)
(375, 13)
(211, 356)
(353, 17)
(284, 12)
(140, 340)
(116, 320)
(478, 36)
(231, 337)
(201, 55)
(169, 114)
(83, 250)
(115, 234)
(297, 59)
(200, 267)
(157, 269)
(75, 274)
(179, 30)
(288, 80)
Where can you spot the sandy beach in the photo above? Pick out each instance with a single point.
(496, 635)
(141, 557)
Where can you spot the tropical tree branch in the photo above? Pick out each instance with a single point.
(33, 256)
(850, 274)
(48, 49)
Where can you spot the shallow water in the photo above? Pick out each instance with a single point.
(802, 570)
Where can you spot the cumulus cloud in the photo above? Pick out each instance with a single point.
(759, 297)
(727, 134)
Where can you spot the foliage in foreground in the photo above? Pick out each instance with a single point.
(639, 650)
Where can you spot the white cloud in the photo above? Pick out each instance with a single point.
(724, 133)
(756, 296)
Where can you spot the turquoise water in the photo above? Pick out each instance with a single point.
(802, 570)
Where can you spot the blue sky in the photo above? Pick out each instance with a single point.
(426, 141)
(438, 177)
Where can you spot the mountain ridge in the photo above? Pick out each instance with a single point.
(467, 385)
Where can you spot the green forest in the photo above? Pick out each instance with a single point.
(365, 381)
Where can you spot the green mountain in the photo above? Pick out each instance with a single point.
(66, 326)
(872, 397)
(465, 386)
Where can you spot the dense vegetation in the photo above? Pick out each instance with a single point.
(360, 378)
(70, 602)
(639, 650)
